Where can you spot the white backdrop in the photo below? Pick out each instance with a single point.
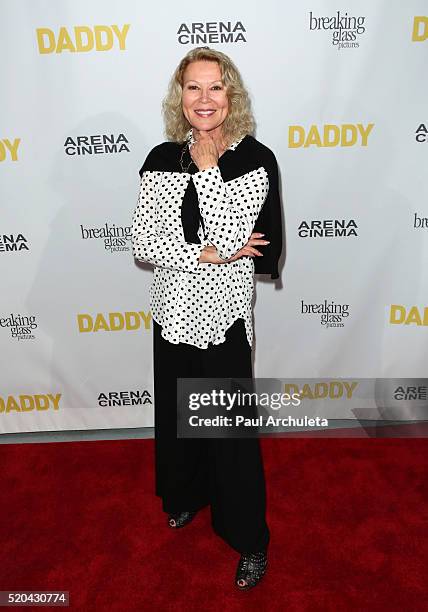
(65, 355)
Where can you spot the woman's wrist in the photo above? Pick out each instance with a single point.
(209, 255)
(207, 166)
(206, 255)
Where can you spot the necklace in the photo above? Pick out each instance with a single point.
(183, 151)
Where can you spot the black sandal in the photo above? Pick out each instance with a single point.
(251, 569)
(180, 519)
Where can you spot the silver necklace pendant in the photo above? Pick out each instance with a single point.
(183, 151)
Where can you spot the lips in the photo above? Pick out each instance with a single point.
(204, 113)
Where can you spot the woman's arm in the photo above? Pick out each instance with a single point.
(270, 223)
(147, 245)
(230, 212)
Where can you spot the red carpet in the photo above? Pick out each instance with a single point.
(348, 519)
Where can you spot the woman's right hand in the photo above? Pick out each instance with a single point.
(209, 253)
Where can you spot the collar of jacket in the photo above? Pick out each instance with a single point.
(190, 140)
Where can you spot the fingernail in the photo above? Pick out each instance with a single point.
(267, 241)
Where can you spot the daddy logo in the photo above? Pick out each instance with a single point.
(327, 228)
(96, 144)
(344, 29)
(29, 403)
(21, 326)
(212, 32)
(115, 237)
(124, 398)
(13, 243)
(421, 134)
(401, 315)
(420, 29)
(334, 389)
(331, 314)
(329, 135)
(82, 39)
(9, 149)
(113, 321)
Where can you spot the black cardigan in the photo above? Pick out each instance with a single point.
(249, 155)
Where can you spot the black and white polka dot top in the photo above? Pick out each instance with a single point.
(179, 213)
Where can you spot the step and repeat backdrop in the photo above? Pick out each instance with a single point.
(339, 92)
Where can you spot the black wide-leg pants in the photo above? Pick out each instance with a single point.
(226, 473)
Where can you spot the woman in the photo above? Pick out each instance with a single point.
(204, 197)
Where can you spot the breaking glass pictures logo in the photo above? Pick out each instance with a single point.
(115, 237)
(21, 326)
(419, 221)
(344, 29)
(331, 314)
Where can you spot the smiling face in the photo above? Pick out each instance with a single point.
(204, 99)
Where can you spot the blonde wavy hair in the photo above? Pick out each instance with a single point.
(239, 120)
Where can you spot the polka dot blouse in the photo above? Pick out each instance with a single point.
(178, 214)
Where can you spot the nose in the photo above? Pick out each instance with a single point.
(204, 95)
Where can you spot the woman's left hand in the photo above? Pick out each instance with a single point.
(248, 249)
(204, 151)
(210, 254)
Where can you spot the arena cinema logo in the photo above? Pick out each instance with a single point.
(333, 389)
(328, 228)
(12, 243)
(115, 237)
(82, 39)
(212, 32)
(9, 149)
(420, 29)
(344, 29)
(21, 326)
(30, 403)
(410, 392)
(331, 314)
(113, 321)
(329, 135)
(401, 315)
(421, 134)
(96, 144)
(124, 398)
(420, 222)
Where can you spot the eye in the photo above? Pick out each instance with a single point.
(217, 87)
(192, 87)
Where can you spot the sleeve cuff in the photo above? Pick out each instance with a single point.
(209, 175)
(190, 258)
